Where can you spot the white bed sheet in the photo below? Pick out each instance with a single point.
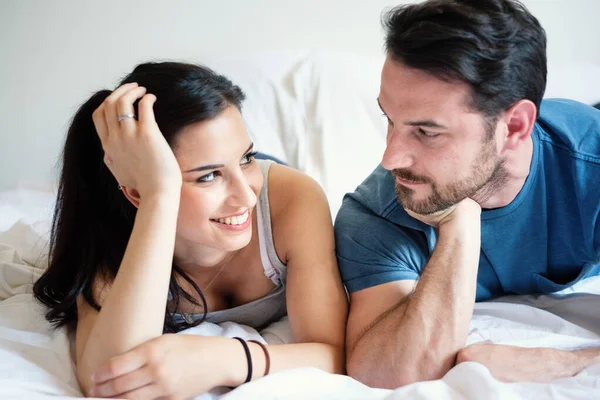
(35, 362)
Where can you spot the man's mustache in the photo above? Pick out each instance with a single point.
(408, 176)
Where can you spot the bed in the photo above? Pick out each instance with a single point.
(317, 111)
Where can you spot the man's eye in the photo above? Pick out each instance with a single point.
(427, 133)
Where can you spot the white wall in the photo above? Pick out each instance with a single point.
(55, 53)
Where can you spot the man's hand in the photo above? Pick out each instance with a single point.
(462, 212)
(520, 364)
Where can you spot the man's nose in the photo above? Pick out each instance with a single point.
(398, 153)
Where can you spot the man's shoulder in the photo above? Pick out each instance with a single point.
(374, 203)
(376, 193)
(374, 197)
(376, 240)
(572, 126)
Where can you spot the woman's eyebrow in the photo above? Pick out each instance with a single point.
(215, 166)
(205, 167)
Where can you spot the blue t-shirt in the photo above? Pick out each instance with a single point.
(545, 240)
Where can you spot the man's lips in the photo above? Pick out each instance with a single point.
(405, 182)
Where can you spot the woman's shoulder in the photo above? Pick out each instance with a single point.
(289, 188)
(297, 203)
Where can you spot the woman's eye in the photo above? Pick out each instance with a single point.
(207, 178)
(248, 158)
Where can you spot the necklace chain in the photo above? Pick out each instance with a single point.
(187, 316)
(214, 278)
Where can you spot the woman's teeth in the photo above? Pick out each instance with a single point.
(239, 220)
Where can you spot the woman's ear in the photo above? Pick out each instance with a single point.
(520, 119)
(131, 194)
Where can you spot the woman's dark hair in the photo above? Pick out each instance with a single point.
(495, 46)
(92, 219)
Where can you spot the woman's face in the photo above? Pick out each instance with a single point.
(221, 183)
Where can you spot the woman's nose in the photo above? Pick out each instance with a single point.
(242, 194)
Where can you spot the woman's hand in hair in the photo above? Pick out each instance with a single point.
(135, 150)
(170, 367)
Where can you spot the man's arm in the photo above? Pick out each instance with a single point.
(395, 337)
(520, 364)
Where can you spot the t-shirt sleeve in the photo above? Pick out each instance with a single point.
(372, 250)
(597, 237)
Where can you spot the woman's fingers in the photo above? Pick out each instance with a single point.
(123, 384)
(146, 165)
(111, 113)
(125, 110)
(120, 365)
(146, 110)
(100, 123)
(148, 392)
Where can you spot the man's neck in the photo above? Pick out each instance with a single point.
(517, 164)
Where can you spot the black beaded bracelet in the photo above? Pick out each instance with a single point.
(248, 358)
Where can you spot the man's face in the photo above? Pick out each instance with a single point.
(438, 151)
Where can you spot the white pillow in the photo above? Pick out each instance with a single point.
(317, 111)
(343, 127)
(271, 112)
(25, 221)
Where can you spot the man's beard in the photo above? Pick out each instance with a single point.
(487, 176)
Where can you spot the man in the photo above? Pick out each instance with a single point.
(483, 190)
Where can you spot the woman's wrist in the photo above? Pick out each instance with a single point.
(234, 363)
(165, 197)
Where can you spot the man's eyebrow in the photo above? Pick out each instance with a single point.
(216, 166)
(428, 123)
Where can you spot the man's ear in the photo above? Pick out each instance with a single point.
(132, 195)
(520, 119)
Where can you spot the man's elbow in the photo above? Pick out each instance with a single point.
(380, 379)
(374, 374)
(339, 359)
(387, 374)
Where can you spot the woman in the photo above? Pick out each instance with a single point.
(165, 219)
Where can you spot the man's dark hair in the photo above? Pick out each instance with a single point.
(497, 47)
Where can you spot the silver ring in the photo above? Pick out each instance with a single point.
(125, 116)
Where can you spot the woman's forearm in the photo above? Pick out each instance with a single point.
(133, 311)
(326, 357)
